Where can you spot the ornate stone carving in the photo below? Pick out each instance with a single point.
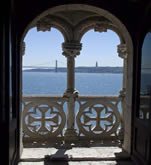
(122, 93)
(122, 51)
(100, 27)
(71, 94)
(98, 119)
(99, 24)
(43, 26)
(43, 120)
(71, 49)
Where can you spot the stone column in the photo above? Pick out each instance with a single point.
(70, 51)
(123, 53)
(70, 75)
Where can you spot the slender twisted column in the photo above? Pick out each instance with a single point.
(70, 51)
(123, 53)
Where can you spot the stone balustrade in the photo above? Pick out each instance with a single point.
(96, 118)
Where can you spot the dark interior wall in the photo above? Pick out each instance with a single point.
(4, 80)
(144, 28)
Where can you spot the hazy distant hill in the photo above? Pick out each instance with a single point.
(82, 70)
(99, 69)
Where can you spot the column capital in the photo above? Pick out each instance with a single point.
(71, 49)
(122, 51)
(43, 26)
(100, 27)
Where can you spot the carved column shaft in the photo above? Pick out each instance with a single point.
(123, 53)
(125, 74)
(70, 90)
(70, 74)
(70, 51)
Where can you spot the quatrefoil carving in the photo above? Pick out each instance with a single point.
(44, 120)
(98, 119)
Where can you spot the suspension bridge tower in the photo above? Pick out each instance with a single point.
(56, 67)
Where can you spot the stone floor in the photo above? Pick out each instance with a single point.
(78, 163)
(75, 156)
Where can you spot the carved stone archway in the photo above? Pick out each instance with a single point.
(73, 21)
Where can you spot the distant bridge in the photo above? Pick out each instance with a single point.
(45, 65)
(39, 67)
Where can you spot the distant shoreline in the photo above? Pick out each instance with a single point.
(81, 70)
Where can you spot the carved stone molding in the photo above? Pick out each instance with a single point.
(71, 94)
(49, 21)
(98, 117)
(23, 46)
(43, 118)
(71, 49)
(122, 93)
(43, 26)
(100, 27)
(99, 24)
(122, 51)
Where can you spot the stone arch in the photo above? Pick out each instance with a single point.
(73, 7)
(45, 24)
(126, 48)
(99, 25)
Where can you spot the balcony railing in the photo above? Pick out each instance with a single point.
(97, 118)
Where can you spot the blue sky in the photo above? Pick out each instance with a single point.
(44, 48)
(146, 52)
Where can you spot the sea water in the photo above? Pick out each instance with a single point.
(50, 83)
